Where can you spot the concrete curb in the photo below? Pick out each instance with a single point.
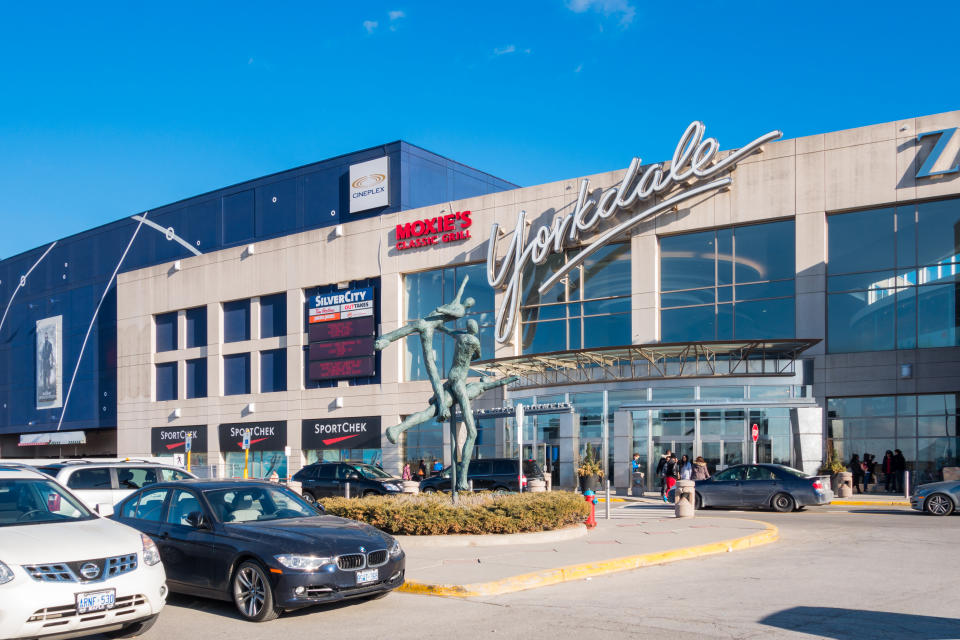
(871, 503)
(569, 573)
(493, 540)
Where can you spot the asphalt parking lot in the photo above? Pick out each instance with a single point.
(837, 572)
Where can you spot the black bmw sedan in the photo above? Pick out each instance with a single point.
(260, 545)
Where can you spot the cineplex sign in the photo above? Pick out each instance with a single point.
(429, 231)
(694, 171)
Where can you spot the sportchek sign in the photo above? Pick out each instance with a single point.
(174, 439)
(423, 233)
(264, 436)
(342, 433)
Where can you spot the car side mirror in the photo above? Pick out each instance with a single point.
(104, 509)
(353, 476)
(319, 507)
(197, 520)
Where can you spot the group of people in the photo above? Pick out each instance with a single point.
(670, 469)
(864, 470)
(421, 472)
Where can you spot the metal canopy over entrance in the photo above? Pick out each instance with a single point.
(651, 361)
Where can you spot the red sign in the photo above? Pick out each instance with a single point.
(338, 369)
(755, 433)
(429, 231)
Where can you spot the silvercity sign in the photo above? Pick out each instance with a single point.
(692, 164)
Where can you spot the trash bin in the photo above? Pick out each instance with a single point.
(638, 486)
(684, 499)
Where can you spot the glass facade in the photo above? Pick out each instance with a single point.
(273, 370)
(196, 327)
(923, 427)
(589, 308)
(236, 374)
(423, 442)
(166, 326)
(735, 283)
(273, 315)
(427, 290)
(166, 381)
(236, 321)
(892, 278)
(365, 456)
(197, 378)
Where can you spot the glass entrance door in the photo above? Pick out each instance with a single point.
(722, 434)
(671, 430)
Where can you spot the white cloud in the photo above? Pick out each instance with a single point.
(622, 8)
(396, 15)
(501, 51)
(579, 68)
(370, 25)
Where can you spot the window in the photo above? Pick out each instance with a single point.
(729, 474)
(728, 284)
(174, 474)
(236, 374)
(166, 331)
(196, 327)
(590, 308)
(182, 504)
(236, 321)
(423, 442)
(892, 278)
(504, 468)
(150, 505)
(273, 316)
(135, 477)
(197, 378)
(166, 381)
(273, 370)
(428, 290)
(90, 479)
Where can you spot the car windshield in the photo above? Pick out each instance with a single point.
(371, 472)
(35, 501)
(792, 472)
(257, 504)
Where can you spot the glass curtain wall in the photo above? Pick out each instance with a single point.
(735, 283)
(423, 442)
(892, 278)
(365, 456)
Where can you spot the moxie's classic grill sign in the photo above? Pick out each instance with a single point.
(429, 231)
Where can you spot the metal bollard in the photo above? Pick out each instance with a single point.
(346, 489)
(906, 485)
(607, 516)
(471, 486)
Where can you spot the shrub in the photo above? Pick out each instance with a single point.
(477, 513)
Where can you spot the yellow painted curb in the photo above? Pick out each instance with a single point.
(872, 503)
(580, 571)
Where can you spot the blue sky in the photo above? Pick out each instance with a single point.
(109, 110)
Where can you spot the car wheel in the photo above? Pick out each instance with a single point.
(370, 492)
(307, 496)
(252, 593)
(939, 504)
(429, 490)
(501, 489)
(135, 629)
(783, 502)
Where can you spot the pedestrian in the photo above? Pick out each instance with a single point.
(686, 468)
(887, 467)
(899, 469)
(857, 470)
(406, 475)
(660, 464)
(635, 464)
(421, 470)
(437, 466)
(869, 463)
(700, 471)
(671, 471)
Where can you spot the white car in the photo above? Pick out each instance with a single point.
(109, 482)
(65, 570)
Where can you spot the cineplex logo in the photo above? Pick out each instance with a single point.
(429, 231)
(692, 164)
(369, 185)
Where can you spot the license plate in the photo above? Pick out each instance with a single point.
(370, 575)
(96, 601)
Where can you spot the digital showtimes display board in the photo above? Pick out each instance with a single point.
(342, 329)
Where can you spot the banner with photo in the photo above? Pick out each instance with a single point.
(49, 365)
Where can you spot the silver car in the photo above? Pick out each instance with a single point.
(937, 498)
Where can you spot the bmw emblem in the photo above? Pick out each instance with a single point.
(89, 571)
(362, 550)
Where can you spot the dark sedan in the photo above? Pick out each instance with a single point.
(761, 486)
(261, 546)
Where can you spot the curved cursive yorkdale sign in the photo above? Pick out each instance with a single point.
(693, 171)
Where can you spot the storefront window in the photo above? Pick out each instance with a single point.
(728, 284)
(424, 292)
(893, 278)
(423, 442)
(590, 308)
(364, 456)
(262, 464)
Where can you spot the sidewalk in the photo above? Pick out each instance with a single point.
(615, 545)
(857, 500)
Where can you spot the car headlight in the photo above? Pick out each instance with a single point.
(389, 486)
(302, 563)
(395, 550)
(6, 575)
(151, 555)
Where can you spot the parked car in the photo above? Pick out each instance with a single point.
(260, 545)
(66, 570)
(488, 474)
(326, 479)
(761, 486)
(937, 498)
(109, 482)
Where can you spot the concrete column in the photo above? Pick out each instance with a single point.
(295, 460)
(807, 426)
(569, 442)
(392, 453)
(622, 451)
(254, 354)
(215, 356)
(295, 343)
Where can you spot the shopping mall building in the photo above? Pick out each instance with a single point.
(807, 286)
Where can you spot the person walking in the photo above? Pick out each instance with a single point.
(886, 465)
(899, 469)
(421, 470)
(868, 464)
(437, 466)
(406, 475)
(671, 471)
(857, 470)
(660, 465)
(700, 471)
(686, 467)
